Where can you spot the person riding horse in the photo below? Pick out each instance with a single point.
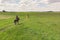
(16, 20)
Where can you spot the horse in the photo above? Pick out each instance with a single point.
(16, 20)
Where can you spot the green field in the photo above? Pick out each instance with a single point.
(39, 26)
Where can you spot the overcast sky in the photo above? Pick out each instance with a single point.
(52, 1)
(30, 5)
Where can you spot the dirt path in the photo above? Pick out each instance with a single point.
(4, 17)
(9, 26)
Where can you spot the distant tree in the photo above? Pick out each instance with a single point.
(50, 11)
(3, 11)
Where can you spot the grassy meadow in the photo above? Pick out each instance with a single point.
(39, 26)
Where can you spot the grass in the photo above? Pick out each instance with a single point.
(39, 26)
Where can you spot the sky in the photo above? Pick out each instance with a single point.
(52, 1)
(30, 5)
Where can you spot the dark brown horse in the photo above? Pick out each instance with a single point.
(16, 20)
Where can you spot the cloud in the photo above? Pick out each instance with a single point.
(10, 1)
(54, 6)
(44, 1)
(53, 1)
(29, 5)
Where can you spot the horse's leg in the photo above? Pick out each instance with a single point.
(18, 21)
(15, 22)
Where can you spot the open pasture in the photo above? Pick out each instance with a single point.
(39, 26)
